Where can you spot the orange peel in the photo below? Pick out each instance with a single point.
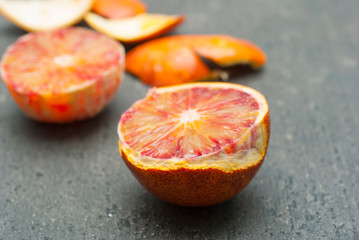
(134, 29)
(39, 15)
(117, 9)
(176, 59)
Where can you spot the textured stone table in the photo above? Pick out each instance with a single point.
(68, 181)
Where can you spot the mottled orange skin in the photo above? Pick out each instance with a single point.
(195, 187)
(218, 48)
(117, 9)
(178, 64)
(175, 59)
(67, 107)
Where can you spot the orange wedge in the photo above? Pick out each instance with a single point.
(135, 29)
(40, 15)
(176, 59)
(117, 9)
(195, 144)
(63, 75)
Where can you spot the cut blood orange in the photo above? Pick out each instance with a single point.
(64, 75)
(195, 144)
(40, 15)
(117, 9)
(134, 29)
(176, 59)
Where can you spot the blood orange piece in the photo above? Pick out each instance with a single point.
(117, 9)
(40, 15)
(228, 51)
(195, 144)
(134, 29)
(64, 75)
(176, 59)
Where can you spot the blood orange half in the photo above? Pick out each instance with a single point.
(64, 75)
(195, 144)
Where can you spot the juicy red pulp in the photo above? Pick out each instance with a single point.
(55, 61)
(188, 123)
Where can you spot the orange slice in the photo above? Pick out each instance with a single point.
(176, 59)
(40, 15)
(63, 75)
(195, 144)
(117, 9)
(139, 28)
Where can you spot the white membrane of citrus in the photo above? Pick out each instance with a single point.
(64, 60)
(127, 29)
(189, 116)
(248, 156)
(39, 15)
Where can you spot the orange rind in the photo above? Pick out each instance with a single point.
(39, 15)
(63, 75)
(177, 59)
(117, 9)
(196, 144)
(134, 29)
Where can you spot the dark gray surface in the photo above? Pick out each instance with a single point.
(68, 181)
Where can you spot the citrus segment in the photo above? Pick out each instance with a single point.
(134, 29)
(197, 129)
(63, 75)
(176, 59)
(117, 9)
(39, 15)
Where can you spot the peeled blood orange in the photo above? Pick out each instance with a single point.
(195, 144)
(63, 75)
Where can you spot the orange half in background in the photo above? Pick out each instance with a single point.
(63, 75)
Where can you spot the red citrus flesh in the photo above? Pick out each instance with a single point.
(200, 131)
(63, 75)
(195, 122)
